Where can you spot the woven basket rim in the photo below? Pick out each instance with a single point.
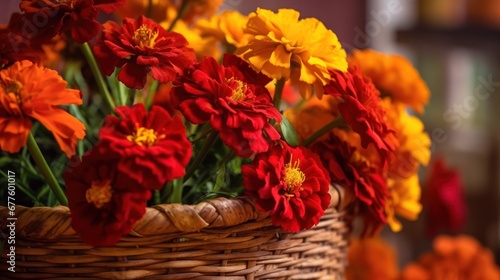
(55, 222)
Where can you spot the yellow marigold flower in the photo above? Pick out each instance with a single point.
(371, 259)
(227, 27)
(394, 76)
(282, 46)
(202, 46)
(414, 142)
(404, 201)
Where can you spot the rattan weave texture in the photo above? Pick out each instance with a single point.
(218, 239)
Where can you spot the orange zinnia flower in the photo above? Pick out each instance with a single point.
(31, 91)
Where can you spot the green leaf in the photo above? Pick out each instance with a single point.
(219, 181)
(4, 161)
(289, 132)
(235, 165)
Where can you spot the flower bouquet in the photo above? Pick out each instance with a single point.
(173, 142)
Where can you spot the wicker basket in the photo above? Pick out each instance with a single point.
(219, 239)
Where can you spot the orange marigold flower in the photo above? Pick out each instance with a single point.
(460, 257)
(371, 259)
(312, 116)
(201, 8)
(30, 91)
(282, 46)
(394, 76)
(53, 51)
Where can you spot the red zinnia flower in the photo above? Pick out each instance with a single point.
(14, 47)
(43, 19)
(152, 147)
(349, 168)
(139, 47)
(233, 98)
(360, 106)
(104, 203)
(291, 183)
(443, 199)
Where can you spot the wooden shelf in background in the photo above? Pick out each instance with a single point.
(479, 38)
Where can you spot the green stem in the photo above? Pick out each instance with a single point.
(325, 129)
(103, 88)
(76, 112)
(45, 170)
(201, 154)
(278, 92)
(123, 92)
(166, 191)
(176, 196)
(131, 97)
(151, 94)
(182, 10)
(157, 197)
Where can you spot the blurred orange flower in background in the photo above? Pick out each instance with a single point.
(160, 10)
(371, 259)
(200, 8)
(459, 258)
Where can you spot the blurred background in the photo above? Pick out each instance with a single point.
(455, 45)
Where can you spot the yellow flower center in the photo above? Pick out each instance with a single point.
(239, 89)
(294, 177)
(144, 36)
(358, 158)
(14, 87)
(145, 137)
(99, 193)
(12, 101)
